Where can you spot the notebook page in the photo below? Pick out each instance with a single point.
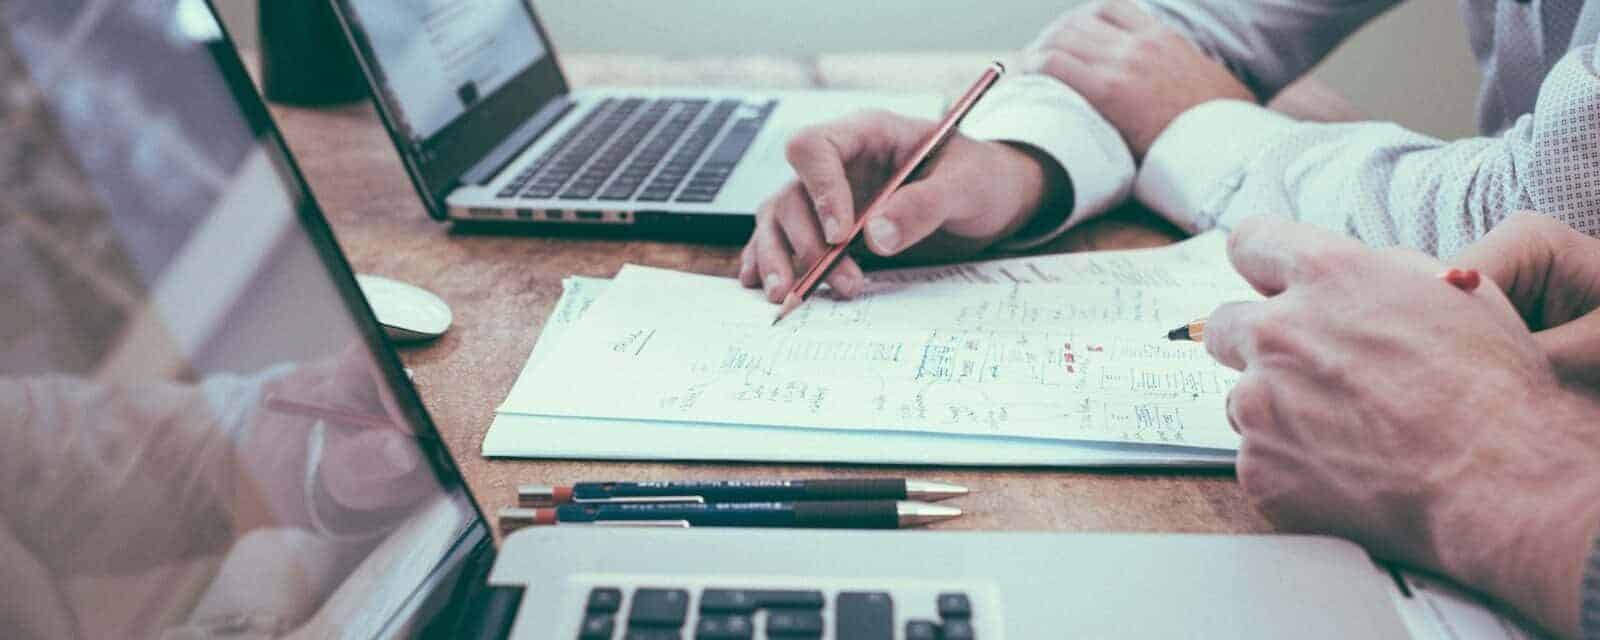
(1062, 361)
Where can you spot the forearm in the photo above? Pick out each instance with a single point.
(95, 453)
(1524, 527)
(1267, 45)
(1223, 161)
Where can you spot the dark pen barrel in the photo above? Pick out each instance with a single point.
(876, 514)
(750, 490)
(855, 514)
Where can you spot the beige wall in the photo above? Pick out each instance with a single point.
(1411, 66)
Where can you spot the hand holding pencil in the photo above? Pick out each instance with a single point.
(975, 193)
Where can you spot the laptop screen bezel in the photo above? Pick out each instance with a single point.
(437, 165)
(475, 540)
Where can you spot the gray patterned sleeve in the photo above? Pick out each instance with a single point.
(1221, 162)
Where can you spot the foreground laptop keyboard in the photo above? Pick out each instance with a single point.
(650, 150)
(748, 614)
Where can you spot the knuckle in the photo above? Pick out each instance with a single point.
(803, 144)
(1320, 262)
(1250, 404)
(1055, 63)
(1274, 334)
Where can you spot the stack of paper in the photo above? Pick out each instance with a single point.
(1054, 360)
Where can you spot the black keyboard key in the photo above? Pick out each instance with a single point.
(696, 197)
(655, 195)
(748, 600)
(921, 630)
(597, 626)
(954, 605)
(658, 608)
(578, 193)
(720, 627)
(958, 630)
(863, 615)
(652, 634)
(789, 599)
(604, 600)
(790, 623)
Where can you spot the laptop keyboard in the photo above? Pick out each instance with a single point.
(650, 150)
(749, 614)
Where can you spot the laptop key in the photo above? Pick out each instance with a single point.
(604, 600)
(863, 615)
(921, 630)
(658, 608)
(748, 600)
(724, 627)
(652, 634)
(696, 198)
(597, 626)
(954, 605)
(785, 623)
(957, 630)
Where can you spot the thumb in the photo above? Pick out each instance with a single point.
(908, 216)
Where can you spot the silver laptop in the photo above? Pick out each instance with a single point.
(490, 131)
(207, 435)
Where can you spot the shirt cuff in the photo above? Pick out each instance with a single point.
(1196, 165)
(1041, 112)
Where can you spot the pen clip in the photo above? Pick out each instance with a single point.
(642, 500)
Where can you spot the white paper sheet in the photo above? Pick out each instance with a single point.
(523, 436)
(1050, 361)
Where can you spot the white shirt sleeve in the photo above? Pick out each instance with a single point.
(1041, 112)
(1222, 161)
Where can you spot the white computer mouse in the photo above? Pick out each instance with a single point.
(406, 312)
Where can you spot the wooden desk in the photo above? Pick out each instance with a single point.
(501, 289)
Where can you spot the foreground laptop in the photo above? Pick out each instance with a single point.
(490, 130)
(204, 434)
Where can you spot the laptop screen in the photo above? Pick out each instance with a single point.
(453, 79)
(438, 58)
(201, 432)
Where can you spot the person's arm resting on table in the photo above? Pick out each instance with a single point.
(1213, 157)
(1425, 422)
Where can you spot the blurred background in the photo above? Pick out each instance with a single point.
(1411, 66)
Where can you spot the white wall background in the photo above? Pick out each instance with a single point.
(1411, 66)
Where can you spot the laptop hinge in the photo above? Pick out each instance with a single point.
(496, 160)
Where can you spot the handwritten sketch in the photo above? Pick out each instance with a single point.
(1058, 361)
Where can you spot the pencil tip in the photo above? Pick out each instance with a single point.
(1180, 333)
(790, 302)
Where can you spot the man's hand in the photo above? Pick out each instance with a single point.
(1137, 72)
(1380, 404)
(1551, 273)
(974, 194)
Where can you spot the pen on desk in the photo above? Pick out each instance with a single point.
(1464, 279)
(848, 514)
(808, 283)
(280, 404)
(535, 495)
